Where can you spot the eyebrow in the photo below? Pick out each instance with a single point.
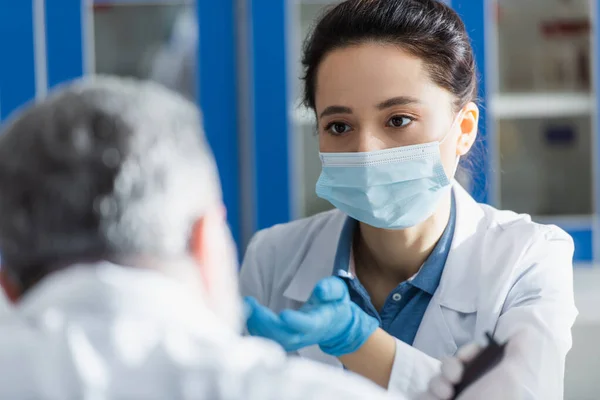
(397, 101)
(394, 101)
(335, 110)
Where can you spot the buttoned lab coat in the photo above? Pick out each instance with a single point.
(106, 332)
(504, 273)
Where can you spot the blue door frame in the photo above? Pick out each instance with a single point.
(17, 72)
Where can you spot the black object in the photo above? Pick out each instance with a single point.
(487, 359)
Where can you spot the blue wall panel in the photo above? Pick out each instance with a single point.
(583, 245)
(270, 102)
(17, 71)
(64, 44)
(217, 80)
(473, 13)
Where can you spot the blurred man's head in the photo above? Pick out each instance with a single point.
(118, 170)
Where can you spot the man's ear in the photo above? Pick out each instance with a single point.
(204, 245)
(11, 290)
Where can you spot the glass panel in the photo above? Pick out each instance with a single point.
(310, 163)
(546, 166)
(150, 41)
(544, 45)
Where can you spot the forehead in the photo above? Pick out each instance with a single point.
(371, 72)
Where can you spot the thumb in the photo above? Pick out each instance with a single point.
(330, 289)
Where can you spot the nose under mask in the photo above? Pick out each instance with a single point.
(395, 188)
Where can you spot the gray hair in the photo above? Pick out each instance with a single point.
(103, 166)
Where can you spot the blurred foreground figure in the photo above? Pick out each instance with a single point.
(117, 255)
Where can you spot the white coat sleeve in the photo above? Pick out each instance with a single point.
(541, 303)
(412, 370)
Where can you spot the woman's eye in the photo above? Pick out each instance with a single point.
(337, 128)
(399, 121)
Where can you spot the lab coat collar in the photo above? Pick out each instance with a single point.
(108, 290)
(319, 261)
(454, 291)
(457, 289)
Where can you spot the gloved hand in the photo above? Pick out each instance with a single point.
(500, 383)
(329, 318)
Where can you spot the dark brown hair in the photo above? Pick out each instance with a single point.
(427, 29)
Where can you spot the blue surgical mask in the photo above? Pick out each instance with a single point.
(395, 188)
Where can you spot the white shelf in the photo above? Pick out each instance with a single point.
(538, 105)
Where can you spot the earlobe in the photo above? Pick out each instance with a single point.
(468, 128)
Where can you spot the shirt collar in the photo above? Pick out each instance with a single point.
(429, 275)
(343, 253)
(108, 290)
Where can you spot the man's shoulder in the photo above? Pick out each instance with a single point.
(35, 361)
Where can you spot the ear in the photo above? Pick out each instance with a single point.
(11, 290)
(202, 242)
(468, 129)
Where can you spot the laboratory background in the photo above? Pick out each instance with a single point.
(239, 60)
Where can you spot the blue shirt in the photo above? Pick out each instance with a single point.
(405, 306)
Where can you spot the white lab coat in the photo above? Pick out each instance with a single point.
(503, 273)
(105, 332)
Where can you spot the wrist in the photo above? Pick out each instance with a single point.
(353, 335)
(374, 359)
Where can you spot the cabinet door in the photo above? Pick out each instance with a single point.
(304, 124)
(543, 116)
(166, 41)
(149, 40)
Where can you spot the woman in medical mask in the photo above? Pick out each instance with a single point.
(408, 267)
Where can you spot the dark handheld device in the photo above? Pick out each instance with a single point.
(487, 359)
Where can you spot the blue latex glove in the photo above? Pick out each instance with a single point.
(329, 319)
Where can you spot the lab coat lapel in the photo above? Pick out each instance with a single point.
(316, 265)
(434, 337)
(319, 260)
(457, 291)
